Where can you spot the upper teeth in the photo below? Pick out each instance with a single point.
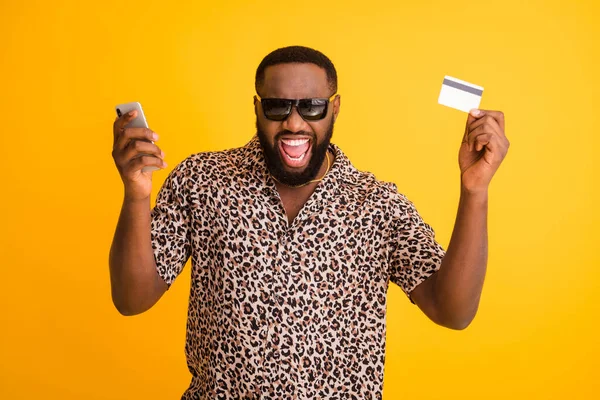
(298, 142)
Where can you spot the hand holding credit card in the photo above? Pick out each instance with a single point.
(484, 144)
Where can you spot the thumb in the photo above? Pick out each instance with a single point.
(473, 116)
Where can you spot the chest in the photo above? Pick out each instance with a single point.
(292, 205)
(266, 229)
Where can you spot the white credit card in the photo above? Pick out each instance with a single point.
(463, 96)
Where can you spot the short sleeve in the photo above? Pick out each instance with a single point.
(170, 222)
(415, 253)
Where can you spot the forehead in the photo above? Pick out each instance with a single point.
(295, 81)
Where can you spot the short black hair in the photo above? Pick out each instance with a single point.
(297, 54)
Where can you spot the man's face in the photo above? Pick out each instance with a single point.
(294, 148)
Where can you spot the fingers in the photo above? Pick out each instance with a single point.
(137, 148)
(134, 149)
(485, 139)
(140, 156)
(477, 114)
(489, 127)
(142, 161)
(125, 136)
(122, 121)
(485, 124)
(486, 135)
(472, 117)
(498, 116)
(487, 120)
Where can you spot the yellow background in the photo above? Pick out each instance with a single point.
(65, 64)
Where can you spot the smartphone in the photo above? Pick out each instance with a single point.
(138, 122)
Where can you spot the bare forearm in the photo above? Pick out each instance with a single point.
(135, 283)
(459, 282)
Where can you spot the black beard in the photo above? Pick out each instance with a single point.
(275, 163)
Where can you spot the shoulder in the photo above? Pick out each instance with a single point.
(383, 192)
(364, 187)
(201, 173)
(366, 191)
(209, 166)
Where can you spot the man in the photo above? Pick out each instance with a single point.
(293, 248)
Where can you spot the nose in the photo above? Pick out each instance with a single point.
(294, 121)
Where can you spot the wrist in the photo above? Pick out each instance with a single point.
(480, 193)
(133, 199)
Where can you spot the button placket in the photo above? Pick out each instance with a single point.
(272, 355)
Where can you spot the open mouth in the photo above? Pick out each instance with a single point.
(295, 151)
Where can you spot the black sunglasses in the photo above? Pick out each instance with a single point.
(309, 109)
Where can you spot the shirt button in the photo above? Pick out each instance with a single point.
(282, 237)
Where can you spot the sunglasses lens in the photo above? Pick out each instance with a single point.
(280, 109)
(313, 109)
(276, 109)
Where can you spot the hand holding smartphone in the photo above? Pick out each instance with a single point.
(134, 151)
(138, 122)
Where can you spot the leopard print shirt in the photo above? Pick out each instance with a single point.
(280, 310)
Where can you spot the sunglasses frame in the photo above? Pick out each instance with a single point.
(295, 103)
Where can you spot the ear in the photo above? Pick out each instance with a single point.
(255, 103)
(336, 107)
